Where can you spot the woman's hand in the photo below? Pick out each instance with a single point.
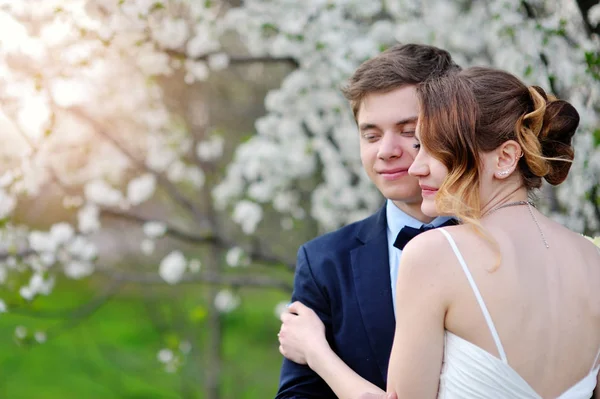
(302, 334)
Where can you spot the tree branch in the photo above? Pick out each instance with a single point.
(75, 313)
(253, 281)
(209, 238)
(18, 254)
(170, 187)
(239, 59)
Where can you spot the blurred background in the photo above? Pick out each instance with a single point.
(162, 161)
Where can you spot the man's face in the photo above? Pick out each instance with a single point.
(386, 123)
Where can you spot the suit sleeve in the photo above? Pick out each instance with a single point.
(299, 381)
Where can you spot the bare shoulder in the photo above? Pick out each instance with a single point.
(428, 264)
(577, 240)
(430, 251)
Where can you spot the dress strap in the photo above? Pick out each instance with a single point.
(595, 361)
(484, 310)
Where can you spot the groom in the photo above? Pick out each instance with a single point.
(348, 276)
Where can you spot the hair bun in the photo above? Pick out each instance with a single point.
(560, 123)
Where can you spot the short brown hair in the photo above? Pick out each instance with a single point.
(465, 114)
(398, 66)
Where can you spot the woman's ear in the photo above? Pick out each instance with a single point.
(507, 157)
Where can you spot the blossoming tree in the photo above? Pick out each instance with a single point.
(85, 112)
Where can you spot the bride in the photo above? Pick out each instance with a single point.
(507, 303)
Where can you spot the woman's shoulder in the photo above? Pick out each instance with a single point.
(434, 247)
(569, 237)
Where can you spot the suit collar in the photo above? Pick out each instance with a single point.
(372, 226)
(370, 266)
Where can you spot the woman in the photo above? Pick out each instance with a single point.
(506, 304)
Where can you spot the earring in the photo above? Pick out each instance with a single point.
(503, 173)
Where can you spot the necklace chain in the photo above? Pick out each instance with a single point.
(529, 206)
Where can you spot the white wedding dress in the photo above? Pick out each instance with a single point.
(470, 372)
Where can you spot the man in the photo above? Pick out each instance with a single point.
(348, 276)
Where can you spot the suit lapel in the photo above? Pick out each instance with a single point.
(371, 270)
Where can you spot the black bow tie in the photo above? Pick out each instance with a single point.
(408, 233)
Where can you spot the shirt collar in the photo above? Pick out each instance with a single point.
(397, 219)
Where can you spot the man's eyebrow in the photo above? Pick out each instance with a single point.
(367, 126)
(406, 121)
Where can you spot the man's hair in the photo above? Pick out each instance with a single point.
(400, 65)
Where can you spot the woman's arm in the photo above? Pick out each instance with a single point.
(421, 305)
(302, 340)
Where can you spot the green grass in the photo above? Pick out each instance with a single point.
(113, 352)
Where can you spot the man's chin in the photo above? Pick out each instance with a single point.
(410, 199)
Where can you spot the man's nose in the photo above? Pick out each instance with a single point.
(389, 147)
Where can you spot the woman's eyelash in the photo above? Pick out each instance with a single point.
(416, 146)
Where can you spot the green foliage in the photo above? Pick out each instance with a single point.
(113, 353)
(592, 58)
(596, 135)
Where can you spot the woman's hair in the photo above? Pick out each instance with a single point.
(474, 111)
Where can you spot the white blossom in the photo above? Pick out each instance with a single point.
(218, 61)
(247, 214)
(226, 301)
(2, 306)
(594, 15)
(154, 229)
(197, 70)
(20, 332)
(172, 267)
(236, 257)
(42, 242)
(195, 176)
(82, 249)
(165, 355)
(102, 193)
(78, 269)
(61, 233)
(88, 218)
(7, 204)
(40, 337)
(147, 246)
(69, 92)
(185, 347)
(171, 33)
(141, 188)
(195, 265)
(211, 149)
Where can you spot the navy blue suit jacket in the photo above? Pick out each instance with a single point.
(344, 276)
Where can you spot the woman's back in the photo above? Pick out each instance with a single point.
(544, 302)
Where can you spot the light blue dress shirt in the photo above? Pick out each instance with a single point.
(396, 220)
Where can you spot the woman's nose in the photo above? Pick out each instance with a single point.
(418, 167)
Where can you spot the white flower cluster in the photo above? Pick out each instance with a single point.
(309, 127)
(82, 108)
(226, 301)
(173, 359)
